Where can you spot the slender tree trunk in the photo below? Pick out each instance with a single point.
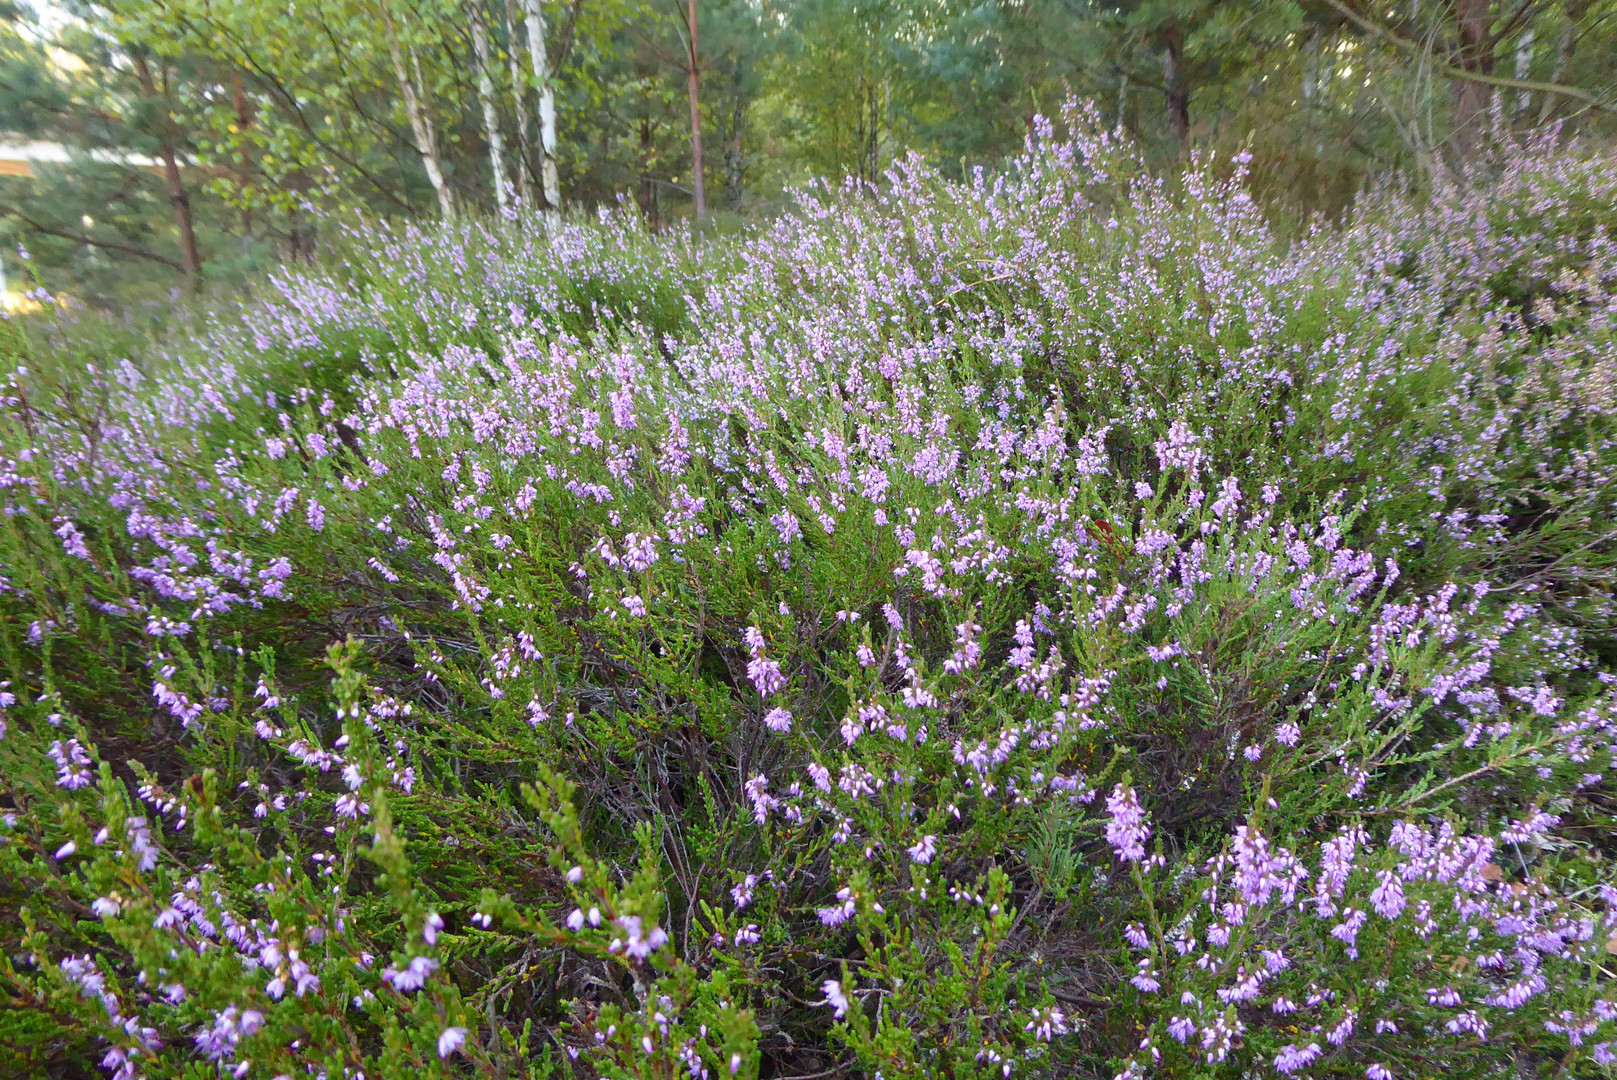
(1176, 88)
(734, 162)
(887, 114)
(294, 236)
(873, 146)
(491, 115)
(1564, 47)
(178, 197)
(861, 115)
(648, 186)
(181, 201)
(423, 104)
(693, 71)
(1122, 99)
(1474, 23)
(549, 178)
(1524, 70)
(519, 98)
(244, 171)
(420, 124)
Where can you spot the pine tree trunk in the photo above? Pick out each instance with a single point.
(648, 186)
(692, 71)
(491, 115)
(1474, 23)
(859, 138)
(734, 160)
(549, 178)
(178, 197)
(873, 145)
(420, 125)
(1177, 90)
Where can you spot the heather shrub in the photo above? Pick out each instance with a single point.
(1040, 625)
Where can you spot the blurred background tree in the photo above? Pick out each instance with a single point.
(149, 146)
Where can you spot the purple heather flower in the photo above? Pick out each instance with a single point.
(1293, 1057)
(1127, 830)
(413, 976)
(835, 998)
(451, 1040)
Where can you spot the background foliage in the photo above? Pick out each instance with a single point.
(281, 116)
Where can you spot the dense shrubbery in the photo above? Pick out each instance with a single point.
(1040, 626)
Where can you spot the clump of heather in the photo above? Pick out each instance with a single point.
(1043, 625)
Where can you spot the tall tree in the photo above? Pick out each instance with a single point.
(412, 89)
(1176, 85)
(1475, 44)
(693, 72)
(519, 86)
(158, 91)
(116, 104)
(485, 97)
(549, 176)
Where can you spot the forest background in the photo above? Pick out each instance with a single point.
(200, 141)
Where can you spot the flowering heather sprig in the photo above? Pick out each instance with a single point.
(452, 1039)
(1031, 476)
(835, 998)
(72, 764)
(413, 976)
(765, 673)
(1127, 830)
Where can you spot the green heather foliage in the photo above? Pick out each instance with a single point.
(1035, 625)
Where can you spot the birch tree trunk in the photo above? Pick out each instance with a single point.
(692, 70)
(1524, 70)
(420, 124)
(1564, 47)
(491, 115)
(519, 98)
(549, 180)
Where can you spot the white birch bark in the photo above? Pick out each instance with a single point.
(549, 181)
(1524, 69)
(491, 115)
(1563, 55)
(420, 125)
(519, 98)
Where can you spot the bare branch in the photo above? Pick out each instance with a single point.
(1450, 71)
(109, 245)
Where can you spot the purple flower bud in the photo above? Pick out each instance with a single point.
(451, 1040)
